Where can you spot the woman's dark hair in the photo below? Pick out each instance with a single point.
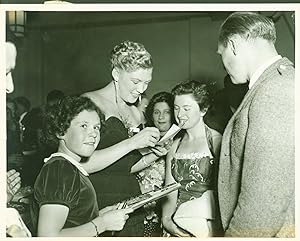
(159, 97)
(58, 118)
(198, 89)
(54, 96)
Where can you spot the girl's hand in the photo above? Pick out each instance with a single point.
(114, 220)
(15, 231)
(108, 208)
(181, 233)
(173, 229)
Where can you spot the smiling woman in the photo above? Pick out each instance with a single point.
(117, 152)
(192, 161)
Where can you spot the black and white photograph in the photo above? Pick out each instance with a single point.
(149, 120)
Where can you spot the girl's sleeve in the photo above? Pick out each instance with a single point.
(58, 183)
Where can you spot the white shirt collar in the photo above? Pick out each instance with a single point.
(70, 159)
(261, 69)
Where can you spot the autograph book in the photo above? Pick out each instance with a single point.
(141, 200)
(171, 133)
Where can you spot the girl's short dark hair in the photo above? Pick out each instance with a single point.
(58, 117)
(199, 91)
(159, 97)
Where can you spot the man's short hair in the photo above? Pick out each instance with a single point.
(248, 25)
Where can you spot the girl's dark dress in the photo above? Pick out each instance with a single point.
(115, 183)
(60, 182)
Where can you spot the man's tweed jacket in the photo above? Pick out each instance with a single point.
(256, 170)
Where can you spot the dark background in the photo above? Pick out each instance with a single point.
(70, 51)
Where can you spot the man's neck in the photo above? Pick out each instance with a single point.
(260, 53)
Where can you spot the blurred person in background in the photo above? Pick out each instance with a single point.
(23, 107)
(224, 104)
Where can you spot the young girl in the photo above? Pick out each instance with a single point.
(65, 201)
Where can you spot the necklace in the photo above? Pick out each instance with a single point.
(125, 120)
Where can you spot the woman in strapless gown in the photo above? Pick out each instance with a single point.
(192, 159)
(122, 135)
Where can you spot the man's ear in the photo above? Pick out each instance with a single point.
(233, 46)
(115, 74)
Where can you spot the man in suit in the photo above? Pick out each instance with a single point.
(256, 181)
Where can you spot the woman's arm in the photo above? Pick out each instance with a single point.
(52, 218)
(157, 152)
(105, 157)
(217, 140)
(144, 162)
(169, 204)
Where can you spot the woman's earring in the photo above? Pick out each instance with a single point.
(116, 83)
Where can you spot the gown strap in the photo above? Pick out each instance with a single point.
(209, 140)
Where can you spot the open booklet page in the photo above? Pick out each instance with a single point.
(143, 199)
(169, 135)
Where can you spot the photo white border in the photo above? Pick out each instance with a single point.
(144, 7)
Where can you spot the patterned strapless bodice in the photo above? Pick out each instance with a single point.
(194, 173)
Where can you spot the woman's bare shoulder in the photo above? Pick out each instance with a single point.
(214, 132)
(93, 94)
(99, 97)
